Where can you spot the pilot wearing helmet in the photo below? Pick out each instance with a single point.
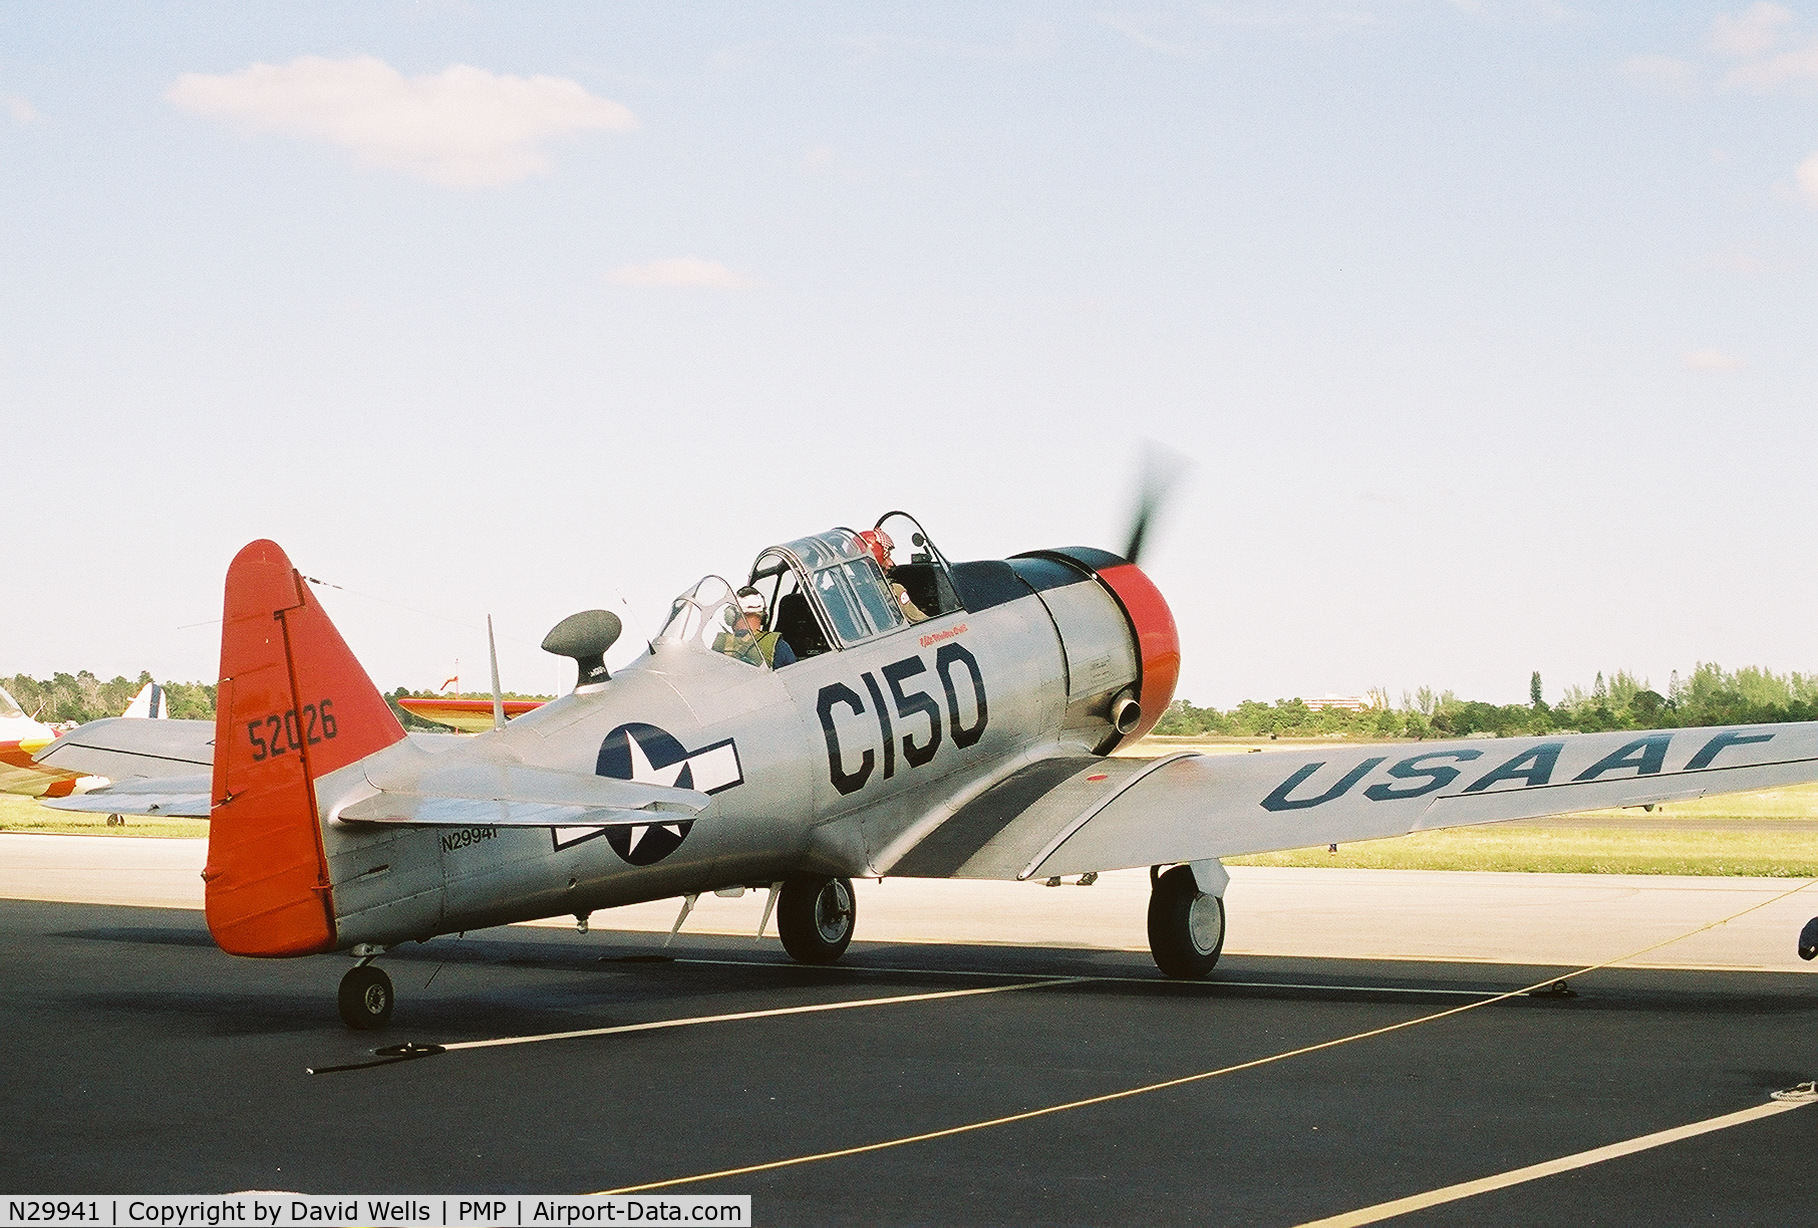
(878, 545)
(746, 638)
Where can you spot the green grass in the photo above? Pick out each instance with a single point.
(1634, 846)
(25, 814)
(1569, 850)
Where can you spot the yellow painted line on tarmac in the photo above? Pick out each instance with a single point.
(1184, 1080)
(1096, 978)
(1564, 1164)
(657, 1025)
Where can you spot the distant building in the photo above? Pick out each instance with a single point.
(1349, 703)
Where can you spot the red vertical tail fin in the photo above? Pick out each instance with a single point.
(293, 705)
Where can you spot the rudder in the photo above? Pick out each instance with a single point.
(292, 706)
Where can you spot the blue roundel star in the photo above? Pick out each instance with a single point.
(652, 756)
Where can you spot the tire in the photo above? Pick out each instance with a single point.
(366, 998)
(815, 918)
(1186, 926)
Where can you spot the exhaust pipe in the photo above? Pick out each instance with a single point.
(1126, 714)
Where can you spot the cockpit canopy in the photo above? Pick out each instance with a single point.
(848, 587)
(818, 593)
(708, 617)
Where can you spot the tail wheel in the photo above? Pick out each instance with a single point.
(815, 917)
(366, 997)
(1186, 926)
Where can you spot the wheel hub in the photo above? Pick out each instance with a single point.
(833, 911)
(1205, 925)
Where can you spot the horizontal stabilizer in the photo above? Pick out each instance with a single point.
(167, 796)
(471, 792)
(120, 747)
(415, 809)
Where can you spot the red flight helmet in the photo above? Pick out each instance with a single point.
(878, 545)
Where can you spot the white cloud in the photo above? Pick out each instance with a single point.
(21, 109)
(1807, 179)
(1751, 32)
(463, 127)
(1763, 41)
(1712, 360)
(1661, 70)
(680, 272)
(1785, 68)
(1754, 259)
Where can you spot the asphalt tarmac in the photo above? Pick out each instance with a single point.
(138, 1058)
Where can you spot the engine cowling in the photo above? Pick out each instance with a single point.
(1118, 637)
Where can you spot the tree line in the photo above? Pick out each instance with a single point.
(71, 699)
(74, 698)
(1711, 695)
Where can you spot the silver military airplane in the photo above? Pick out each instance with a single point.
(928, 719)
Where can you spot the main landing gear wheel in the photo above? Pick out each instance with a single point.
(815, 918)
(1186, 926)
(366, 998)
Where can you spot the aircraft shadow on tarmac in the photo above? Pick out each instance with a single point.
(606, 984)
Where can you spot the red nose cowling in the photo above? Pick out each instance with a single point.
(1157, 640)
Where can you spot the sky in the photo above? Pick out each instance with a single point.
(1489, 331)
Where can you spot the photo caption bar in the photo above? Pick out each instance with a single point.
(275, 1210)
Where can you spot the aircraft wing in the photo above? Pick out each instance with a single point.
(125, 747)
(168, 796)
(466, 715)
(121, 747)
(1076, 815)
(468, 794)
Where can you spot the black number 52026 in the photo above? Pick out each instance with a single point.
(281, 734)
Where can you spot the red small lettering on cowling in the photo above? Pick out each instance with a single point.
(936, 637)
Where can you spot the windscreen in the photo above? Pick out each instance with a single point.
(707, 617)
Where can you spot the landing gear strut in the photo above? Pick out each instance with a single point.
(366, 997)
(1186, 925)
(815, 918)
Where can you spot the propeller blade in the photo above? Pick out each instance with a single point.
(1161, 471)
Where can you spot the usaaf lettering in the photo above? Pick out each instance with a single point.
(1533, 766)
(1410, 769)
(1646, 755)
(279, 734)
(1728, 737)
(1279, 799)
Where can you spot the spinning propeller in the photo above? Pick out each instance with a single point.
(1160, 471)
